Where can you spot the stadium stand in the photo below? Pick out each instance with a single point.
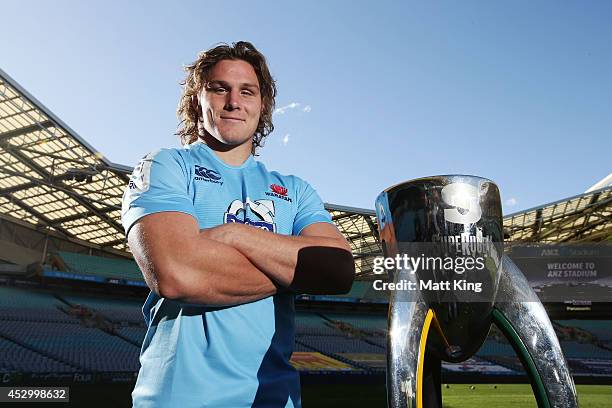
(98, 266)
(86, 348)
(580, 350)
(601, 329)
(594, 367)
(479, 365)
(15, 357)
(135, 334)
(495, 348)
(28, 305)
(338, 344)
(116, 310)
(311, 323)
(368, 323)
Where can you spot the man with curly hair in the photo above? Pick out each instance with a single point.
(224, 244)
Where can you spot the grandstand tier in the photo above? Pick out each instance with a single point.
(60, 332)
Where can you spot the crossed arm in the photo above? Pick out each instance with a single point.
(235, 263)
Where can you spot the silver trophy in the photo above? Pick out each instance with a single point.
(438, 226)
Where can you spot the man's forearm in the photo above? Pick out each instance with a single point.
(233, 279)
(325, 263)
(180, 263)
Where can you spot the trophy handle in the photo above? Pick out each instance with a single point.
(521, 317)
(413, 378)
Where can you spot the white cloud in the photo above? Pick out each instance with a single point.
(511, 202)
(283, 109)
(286, 139)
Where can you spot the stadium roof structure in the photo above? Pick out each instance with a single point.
(581, 218)
(360, 229)
(52, 180)
(604, 182)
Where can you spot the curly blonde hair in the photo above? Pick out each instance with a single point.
(188, 110)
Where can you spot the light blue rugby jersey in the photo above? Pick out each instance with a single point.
(199, 356)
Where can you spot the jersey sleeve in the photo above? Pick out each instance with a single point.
(159, 182)
(310, 208)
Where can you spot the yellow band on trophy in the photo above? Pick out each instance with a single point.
(421, 361)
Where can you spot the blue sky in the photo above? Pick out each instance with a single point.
(374, 93)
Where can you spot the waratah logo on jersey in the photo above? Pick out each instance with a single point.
(209, 175)
(263, 210)
(278, 192)
(278, 189)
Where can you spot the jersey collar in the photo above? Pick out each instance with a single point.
(199, 144)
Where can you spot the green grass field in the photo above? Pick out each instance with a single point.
(456, 396)
(517, 395)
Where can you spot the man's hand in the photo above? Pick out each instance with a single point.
(224, 233)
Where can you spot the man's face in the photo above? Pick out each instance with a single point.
(231, 102)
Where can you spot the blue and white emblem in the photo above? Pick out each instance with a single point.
(263, 209)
